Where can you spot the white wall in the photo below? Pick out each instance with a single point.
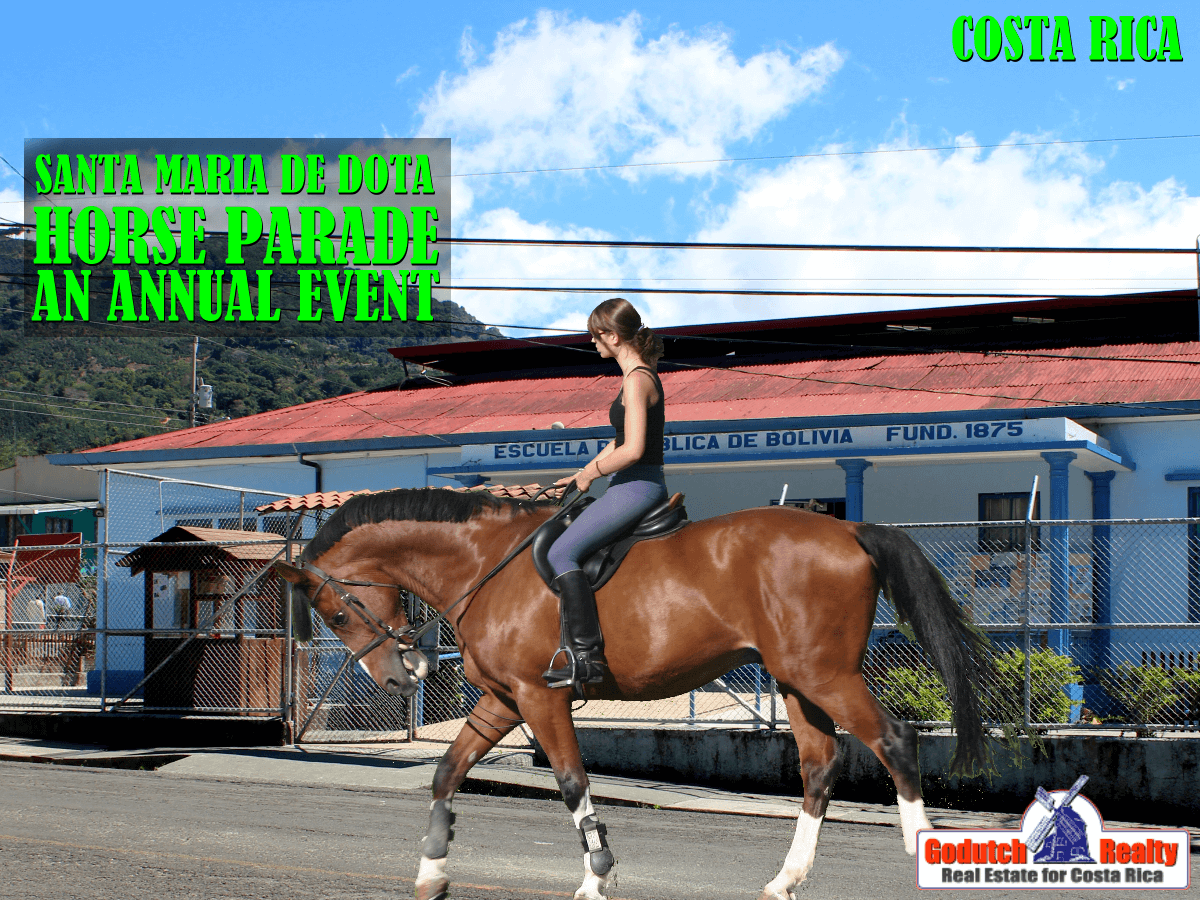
(1156, 447)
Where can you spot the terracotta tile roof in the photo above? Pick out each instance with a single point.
(321, 500)
(334, 499)
(899, 384)
(517, 492)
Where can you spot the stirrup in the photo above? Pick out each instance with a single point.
(579, 670)
(564, 676)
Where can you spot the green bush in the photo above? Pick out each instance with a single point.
(1049, 673)
(1144, 693)
(915, 695)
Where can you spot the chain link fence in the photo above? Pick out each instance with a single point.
(1094, 624)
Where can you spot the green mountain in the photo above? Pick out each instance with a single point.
(60, 394)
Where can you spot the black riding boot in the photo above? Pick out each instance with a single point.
(581, 635)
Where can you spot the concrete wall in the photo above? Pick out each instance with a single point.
(1155, 780)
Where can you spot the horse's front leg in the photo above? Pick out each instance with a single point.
(549, 715)
(489, 721)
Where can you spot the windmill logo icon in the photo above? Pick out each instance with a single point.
(1061, 837)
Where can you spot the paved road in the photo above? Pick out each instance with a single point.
(102, 834)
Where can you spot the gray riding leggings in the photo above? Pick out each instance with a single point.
(627, 499)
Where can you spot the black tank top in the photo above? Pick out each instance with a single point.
(655, 421)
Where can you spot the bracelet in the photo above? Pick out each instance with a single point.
(598, 472)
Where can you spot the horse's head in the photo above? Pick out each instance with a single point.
(361, 619)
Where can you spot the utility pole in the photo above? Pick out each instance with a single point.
(192, 392)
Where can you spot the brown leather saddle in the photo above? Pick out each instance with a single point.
(666, 518)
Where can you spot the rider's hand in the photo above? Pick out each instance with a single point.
(581, 479)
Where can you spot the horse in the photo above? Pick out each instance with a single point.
(791, 589)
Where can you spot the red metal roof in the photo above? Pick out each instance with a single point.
(889, 384)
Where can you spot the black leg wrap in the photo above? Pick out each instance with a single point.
(437, 843)
(595, 843)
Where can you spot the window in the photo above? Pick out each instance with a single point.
(56, 525)
(1007, 508)
(829, 506)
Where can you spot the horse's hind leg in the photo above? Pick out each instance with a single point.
(854, 708)
(819, 766)
(489, 721)
(549, 715)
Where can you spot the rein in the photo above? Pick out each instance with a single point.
(413, 633)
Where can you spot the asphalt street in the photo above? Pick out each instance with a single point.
(75, 832)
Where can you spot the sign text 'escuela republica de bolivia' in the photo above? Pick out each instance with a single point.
(831, 440)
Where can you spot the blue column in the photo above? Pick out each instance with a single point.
(1101, 567)
(1059, 639)
(854, 487)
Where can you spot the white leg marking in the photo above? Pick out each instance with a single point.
(594, 887)
(431, 870)
(799, 859)
(912, 820)
(585, 808)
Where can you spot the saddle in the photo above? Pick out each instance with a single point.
(666, 518)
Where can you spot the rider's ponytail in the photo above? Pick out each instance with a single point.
(619, 317)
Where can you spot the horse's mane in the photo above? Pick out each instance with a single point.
(409, 504)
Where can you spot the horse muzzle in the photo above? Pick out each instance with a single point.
(415, 668)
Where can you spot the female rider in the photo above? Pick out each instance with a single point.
(633, 464)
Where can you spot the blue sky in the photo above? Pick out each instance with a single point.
(517, 86)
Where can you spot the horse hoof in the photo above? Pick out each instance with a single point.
(771, 894)
(433, 890)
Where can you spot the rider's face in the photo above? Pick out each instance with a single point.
(606, 343)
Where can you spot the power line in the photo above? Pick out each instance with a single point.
(871, 348)
(742, 245)
(130, 421)
(687, 291)
(31, 412)
(831, 153)
(86, 400)
(787, 156)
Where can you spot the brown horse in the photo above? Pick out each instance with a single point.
(793, 589)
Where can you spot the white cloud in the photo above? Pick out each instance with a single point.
(558, 92)
(12, 206)
(1044, 196)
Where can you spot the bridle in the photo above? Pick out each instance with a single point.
(407, 638)
(383, 631)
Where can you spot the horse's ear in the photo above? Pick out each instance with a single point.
(288, 572)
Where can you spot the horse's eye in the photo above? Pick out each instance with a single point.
(339, 619)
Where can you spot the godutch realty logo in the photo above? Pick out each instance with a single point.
(1062, 844)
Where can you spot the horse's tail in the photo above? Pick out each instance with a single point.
(960, 652)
